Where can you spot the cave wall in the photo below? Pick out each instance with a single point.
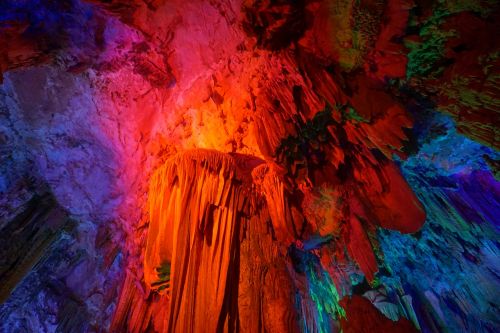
(254, 166)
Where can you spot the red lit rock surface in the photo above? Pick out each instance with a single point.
(249, 166)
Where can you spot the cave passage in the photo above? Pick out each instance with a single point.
(203, 166)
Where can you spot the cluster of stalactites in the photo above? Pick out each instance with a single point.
(199, 201)
(193, 177)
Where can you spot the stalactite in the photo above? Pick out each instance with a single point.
(249, 166)
(202, 204)
(197, 205)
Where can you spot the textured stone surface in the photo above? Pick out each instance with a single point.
(249, 165)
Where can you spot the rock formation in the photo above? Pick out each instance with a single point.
(249, 166)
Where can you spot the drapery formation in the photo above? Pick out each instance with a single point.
(197, 206)
(202, 205)
(220, 228)
(334, 133)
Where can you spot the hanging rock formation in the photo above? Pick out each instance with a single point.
(249, 166)
(198, 202)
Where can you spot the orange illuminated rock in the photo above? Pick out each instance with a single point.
(197, 205)
(201, 202)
